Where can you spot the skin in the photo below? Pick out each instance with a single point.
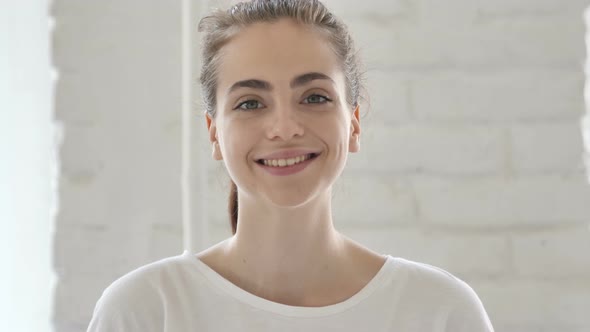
(286, 248)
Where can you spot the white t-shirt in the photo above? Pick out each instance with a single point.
(181, 293)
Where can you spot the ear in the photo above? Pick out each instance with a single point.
(354, 144)
(212, 128)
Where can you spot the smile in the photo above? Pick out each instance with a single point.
(287, 166)
(286, 162)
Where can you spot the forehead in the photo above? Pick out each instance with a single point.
(276, 52)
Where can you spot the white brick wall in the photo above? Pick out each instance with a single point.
(471, 153)
(431, 147)
(498, 202)
(119, 98)
(498, 94)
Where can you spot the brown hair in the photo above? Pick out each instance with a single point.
(221, 25)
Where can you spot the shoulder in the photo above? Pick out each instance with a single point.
(432, 285)
(143, 280)
(133, 302)
(432, 279)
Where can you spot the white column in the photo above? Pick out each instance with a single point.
(585, 121)
(195, 160)
(27, 168)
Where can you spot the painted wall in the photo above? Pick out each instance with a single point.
(471, 153)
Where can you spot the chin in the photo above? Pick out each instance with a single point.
(289, 202)
(293, 198)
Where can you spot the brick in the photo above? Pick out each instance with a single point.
(388, 98)
(165, 240)
(527, 43)
(75, 299)
(406, 39)
(119, 98)
(501, 96)
(96, 159)
(446, 16)
(546, 147)
(585, 127)
(63, 9)
(82, 154)
(536, 303)
(87, 146)
(221, 4)
(99, 250)
(540, 327)
(381, 10)
(111, 94)
(480, 255)
(430, 147)
(79, 205)
(544, 200)
(552, 254)
(527, 8)
(390, 200)
(88, 28)
(136, 201)
(71, 102)
(102, 75)
(393, 45)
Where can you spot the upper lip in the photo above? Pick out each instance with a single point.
(285, 154)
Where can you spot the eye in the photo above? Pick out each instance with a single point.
(317, 99)
(248, 105)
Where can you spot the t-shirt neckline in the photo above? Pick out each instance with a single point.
(231, 289)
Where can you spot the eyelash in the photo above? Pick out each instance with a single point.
(250, 100)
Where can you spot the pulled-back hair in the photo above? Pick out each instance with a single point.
(221, 25)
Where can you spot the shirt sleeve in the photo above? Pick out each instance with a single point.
(126, 306)
(468, 313)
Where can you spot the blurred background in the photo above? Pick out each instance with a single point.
(472, 151)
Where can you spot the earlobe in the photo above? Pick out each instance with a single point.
(354, 145)
(208, 120)
(217, 152)
(355, 132)
(212, 128)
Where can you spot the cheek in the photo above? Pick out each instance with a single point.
(342, 126)
(237, 140)
(334, 134)
(344, 130)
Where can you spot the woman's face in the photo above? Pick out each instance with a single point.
(280, 88)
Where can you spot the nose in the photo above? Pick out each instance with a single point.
(284, 123)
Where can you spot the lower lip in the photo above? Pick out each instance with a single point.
(288, 170)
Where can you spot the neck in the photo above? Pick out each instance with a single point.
(286, 252)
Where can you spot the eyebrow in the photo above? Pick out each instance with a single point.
(295, 82)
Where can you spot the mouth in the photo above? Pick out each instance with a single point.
(280, 163)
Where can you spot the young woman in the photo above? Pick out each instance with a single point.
(281, 84)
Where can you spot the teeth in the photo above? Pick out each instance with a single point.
(286, 162)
